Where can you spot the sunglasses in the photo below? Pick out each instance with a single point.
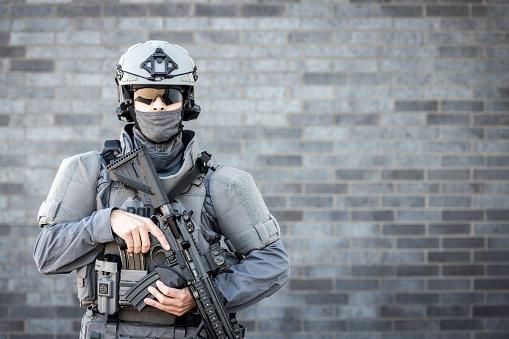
(147, 95)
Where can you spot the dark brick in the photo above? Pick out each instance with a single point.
(78, 11)
(497, 215)
(283, 161)
(418, 243)
(4, 120)
(280, 325)
(311, 284)
(356, 285)
(401, 11)
(356, 175)
(398, 311)
(322, 298)
(497, 161)
(449, 284)
(12, 325)
(174, 37)
(404, 271)
(470, 242)
(12, 52)
(462, 298)
(448, 311)
(490, 311)
(325, 79)
(11, 189)
(403, 201)
(490, 11)
(491, 284)
(262, 10)
(402, 229)
(327, 188)
(416, 325)
(449, 229)
(462, 106)
(491, 256)
(491, 119)
(33, 11)
(33, 312)
(470, 270)
(370, 325)
(448, 256)
(124, 10)
(448, 174)
(416, 106)
(461, 52)
(33, 65)
(324, 325)
(463, 215)
(448, 119)
(287, 215)
(372, 271)
(497, 298)
(417, 298)
(372, 215)
(355, 119)
(444, 11)
(402, 174)
(298, 37)
(217, 10)
(497, 106)
(498, 270)
(491, 175)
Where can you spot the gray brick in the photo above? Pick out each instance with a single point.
(416, 133)
(349, 312)
(325, 79)
(463, 24)
(449, 65)
(355, 147)
(262, 10)
(408, 147)
(327, 51)
(356, 175)
(402, 285)
(33, 11)
(325, 325)
(372, 243)
(309, 10)
(370, 24)
(416, 106)
(32, 65)
(416, 79)
(372, 215)
(441, 11)
(12, 52)
(499, 93)
(265, 38)
(217, 37)
(417, 161)
(370, 51)
(403, 202)
(315, 216)
(449, 202)
(323, 24)
(491, 65)
(462, 215)
(448, 119)
(356, 38)
(212, 10)
(78, 10)
(461, 52)
(490, 175)
(484, 38)
(448, 284)
(371, 79)
(403, 38)
(402, 175)
(356, 202)
(356, 11)
(356, 285)
(298, 37)
(401, 11)
(415, 23)
(358, 229)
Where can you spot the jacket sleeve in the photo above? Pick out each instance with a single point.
(73, 229)
(66, 246)
(250, 231)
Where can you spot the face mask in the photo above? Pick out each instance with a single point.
(160, 126)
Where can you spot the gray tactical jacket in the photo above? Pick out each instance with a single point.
(76, 223)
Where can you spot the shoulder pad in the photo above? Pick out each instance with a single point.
(73, 192)
(242, 215)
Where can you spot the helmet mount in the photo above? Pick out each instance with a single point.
(159, 64)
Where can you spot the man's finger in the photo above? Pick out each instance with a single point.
(156, 232)
(136, 240)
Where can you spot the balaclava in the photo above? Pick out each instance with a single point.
(160, 133)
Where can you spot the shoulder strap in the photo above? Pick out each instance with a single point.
(201, 166)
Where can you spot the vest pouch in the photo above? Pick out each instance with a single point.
(96, 326)
(108, 275)
(86, 282)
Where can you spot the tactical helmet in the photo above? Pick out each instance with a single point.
(160, 64)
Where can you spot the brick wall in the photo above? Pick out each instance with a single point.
(376, 130)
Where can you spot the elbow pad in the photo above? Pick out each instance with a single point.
(73, 193)
(242, 215)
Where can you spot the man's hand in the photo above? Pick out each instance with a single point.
(171, 300)
(134, 229)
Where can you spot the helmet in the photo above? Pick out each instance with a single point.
(155, 63)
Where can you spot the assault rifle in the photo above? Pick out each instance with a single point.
(185, 264)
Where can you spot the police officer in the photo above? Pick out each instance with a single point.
(85, 210)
